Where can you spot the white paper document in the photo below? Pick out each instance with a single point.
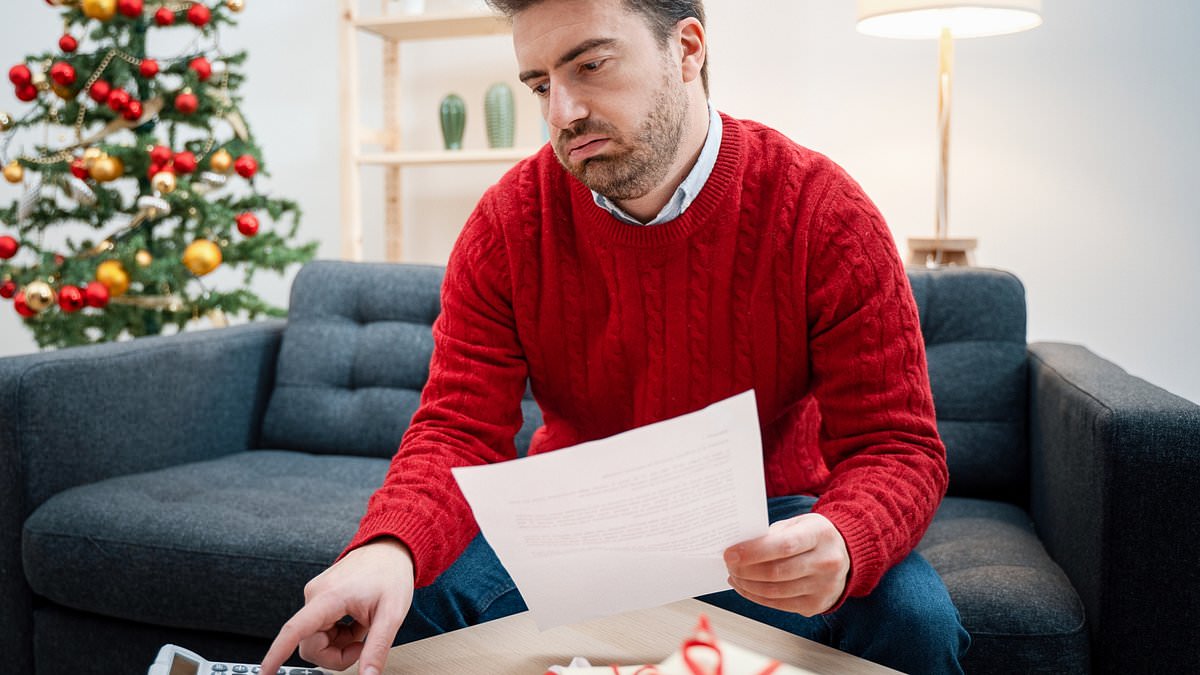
(636, 520)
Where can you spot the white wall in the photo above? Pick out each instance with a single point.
(1074, 150)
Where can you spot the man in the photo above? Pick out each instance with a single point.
(657, 258)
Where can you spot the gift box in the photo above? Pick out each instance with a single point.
(700, 654)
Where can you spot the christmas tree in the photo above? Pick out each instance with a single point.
(142, 179)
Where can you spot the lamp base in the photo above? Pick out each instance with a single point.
(923, 251)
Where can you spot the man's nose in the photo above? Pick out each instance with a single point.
(564, 107)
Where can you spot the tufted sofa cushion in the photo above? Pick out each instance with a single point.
(354, 358)
(973, 321)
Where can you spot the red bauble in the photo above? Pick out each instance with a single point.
(20, 305)
(149, 68)
(118, 98)
(20, 75)
(68, 43)
(164, 17)
(130, 8)
(71, 299)
(160, 154)
(79, 168)
(8, 289)
(202, 67)
(8, 247)
(187, 103)
(246, 166)
(62, 73)
(132, 111)
(247, 224)
(199, 15)
(100, 91)
(185, 162)
(26, 92)
(96, 294)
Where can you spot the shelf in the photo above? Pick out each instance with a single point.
(434, 157)
(398, 27)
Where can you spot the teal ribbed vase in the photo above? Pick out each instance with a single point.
(454, 121)
(499, 113)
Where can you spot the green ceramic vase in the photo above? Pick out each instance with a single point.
(499, 112)
(454, 121)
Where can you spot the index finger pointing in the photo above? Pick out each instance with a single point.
(310, 620)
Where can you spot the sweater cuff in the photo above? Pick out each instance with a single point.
(428, 550)
(867, 561)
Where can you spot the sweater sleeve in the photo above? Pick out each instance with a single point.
(867, 358)
(470, 407)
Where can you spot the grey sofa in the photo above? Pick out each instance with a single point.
(183, 489)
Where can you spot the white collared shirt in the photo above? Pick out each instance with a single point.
(688, 189)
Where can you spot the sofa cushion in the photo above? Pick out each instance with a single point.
(223, 545)
(973, 322)
(1018, 605)
(354, 358)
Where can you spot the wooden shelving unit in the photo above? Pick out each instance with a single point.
(395, 29)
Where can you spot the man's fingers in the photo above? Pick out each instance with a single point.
(379, 639)
(784, 539)
(312, 619)
(775, 590)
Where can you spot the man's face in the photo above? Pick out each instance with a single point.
(610, 92)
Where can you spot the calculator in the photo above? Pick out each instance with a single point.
(175, 660)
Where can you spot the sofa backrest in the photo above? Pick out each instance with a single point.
(973, 321)
(354, 357)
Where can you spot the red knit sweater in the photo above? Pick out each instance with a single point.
(781, 276)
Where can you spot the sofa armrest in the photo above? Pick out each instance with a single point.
(1115, 466)
(84, 414)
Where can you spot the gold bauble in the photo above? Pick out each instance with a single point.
(90, 155)
(235, 5)
(221, 161)
(107, 168)
(39, 296)
(143, 258)
(114, 277)
(64, 93)
(99, 9)
(201, 257)
(164, 182)
(6, 121)
(14, 172)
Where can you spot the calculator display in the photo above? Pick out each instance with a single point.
(182, 665)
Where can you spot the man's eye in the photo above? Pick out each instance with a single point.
(541, 89)
(592, 66)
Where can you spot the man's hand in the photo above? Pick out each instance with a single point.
(373, 585)
(800, 565)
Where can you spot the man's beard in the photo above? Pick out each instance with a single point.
(636, 167)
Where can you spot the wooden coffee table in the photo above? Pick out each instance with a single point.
(513, 645)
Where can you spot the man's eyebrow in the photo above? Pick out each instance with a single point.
(571, 55)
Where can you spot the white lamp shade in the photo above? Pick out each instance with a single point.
(923, 19)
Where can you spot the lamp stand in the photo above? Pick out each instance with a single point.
(941, 250)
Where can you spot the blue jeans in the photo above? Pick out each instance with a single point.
(908, 622)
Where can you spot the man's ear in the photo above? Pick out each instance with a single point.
(694, 47)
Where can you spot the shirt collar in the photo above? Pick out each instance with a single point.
(688, 189)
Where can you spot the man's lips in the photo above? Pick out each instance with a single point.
(586, 147)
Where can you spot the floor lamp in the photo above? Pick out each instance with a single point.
(945, 20)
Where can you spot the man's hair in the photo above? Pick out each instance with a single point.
(660, 15)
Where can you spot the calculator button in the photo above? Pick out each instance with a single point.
(219, 667)
(241, 669)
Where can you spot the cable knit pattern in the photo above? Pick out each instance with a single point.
(781, 276)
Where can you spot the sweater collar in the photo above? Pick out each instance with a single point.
(686, 193)
(725, 170)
